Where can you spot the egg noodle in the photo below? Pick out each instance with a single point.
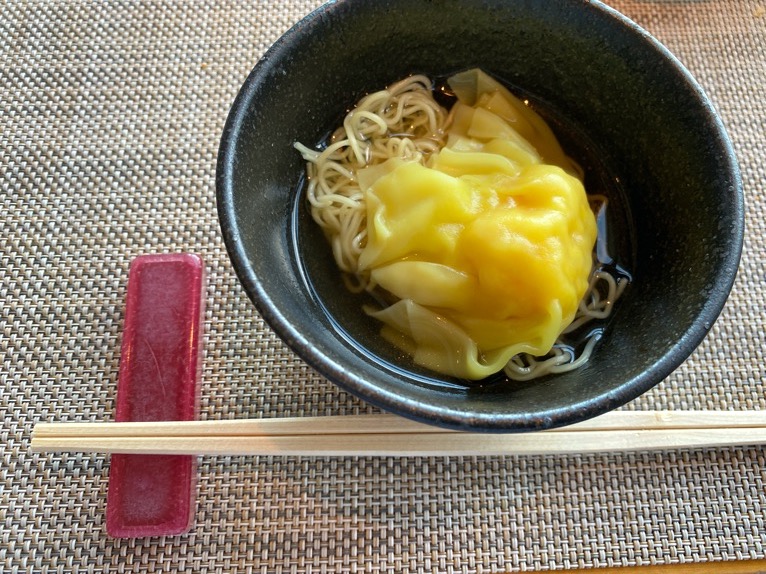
(403, 121)
(405, 124)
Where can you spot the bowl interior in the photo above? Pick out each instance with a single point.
(619, 101)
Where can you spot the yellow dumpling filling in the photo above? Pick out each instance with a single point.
(488, 247)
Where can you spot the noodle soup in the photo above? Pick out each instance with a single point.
(420, 138)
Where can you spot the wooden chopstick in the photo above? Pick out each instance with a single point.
(389, 435)
(389, 424)
(408, 444)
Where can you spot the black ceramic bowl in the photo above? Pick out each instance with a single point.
(620, 102)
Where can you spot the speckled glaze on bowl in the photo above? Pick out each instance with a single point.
(679, 229)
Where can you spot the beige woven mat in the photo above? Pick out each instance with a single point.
(110, 116)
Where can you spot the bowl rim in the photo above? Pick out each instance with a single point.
(494, 422)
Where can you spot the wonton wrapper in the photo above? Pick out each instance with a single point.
(488, 248)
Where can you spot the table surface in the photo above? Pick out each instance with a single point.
(109, 121)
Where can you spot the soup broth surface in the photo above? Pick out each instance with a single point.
(344, 309)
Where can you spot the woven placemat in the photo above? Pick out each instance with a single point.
(110, 119)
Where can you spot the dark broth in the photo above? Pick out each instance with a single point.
(614, 251)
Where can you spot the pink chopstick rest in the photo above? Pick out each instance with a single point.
(154, 495)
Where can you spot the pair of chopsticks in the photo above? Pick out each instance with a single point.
(390, 435)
